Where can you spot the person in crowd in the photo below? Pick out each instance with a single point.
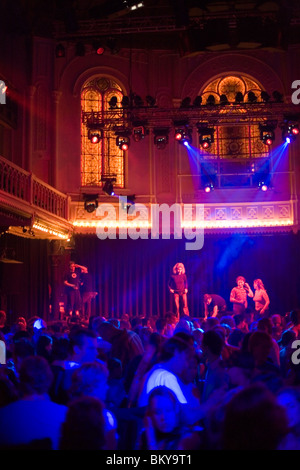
(4, 328)
(174, 359)
(261, 299)
(289, 399)
(214, 305)
(295, 322)
(215, 376)
(254, 420)
(164, 428)
(239, 295)
(265, 324)
(91, 379)
(33, 420)
(83, 348)
(178, 286)
(84, 425)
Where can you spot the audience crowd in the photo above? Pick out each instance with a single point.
(220, 383)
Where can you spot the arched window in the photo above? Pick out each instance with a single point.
(103, 158)
(239, 141)
(237, 150)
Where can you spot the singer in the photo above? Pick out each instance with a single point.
(239, 294)
(178, 286)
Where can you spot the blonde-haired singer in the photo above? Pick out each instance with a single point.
(178, 286)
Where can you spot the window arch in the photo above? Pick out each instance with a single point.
(241, 141)
(104, 158)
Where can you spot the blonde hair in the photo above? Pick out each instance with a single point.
(259, 283)
(177, 265)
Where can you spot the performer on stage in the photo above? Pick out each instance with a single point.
(214, 305)
(261, 299)
(239, 294)
(178, 286)
(72, 288)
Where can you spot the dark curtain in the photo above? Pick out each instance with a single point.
(24, 287)
(131, 276)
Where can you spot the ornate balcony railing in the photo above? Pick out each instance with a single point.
(27, 187)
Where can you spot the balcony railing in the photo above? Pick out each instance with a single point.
(27, 187)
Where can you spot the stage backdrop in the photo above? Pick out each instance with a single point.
(131, 276)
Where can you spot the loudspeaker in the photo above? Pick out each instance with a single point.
(11, 276)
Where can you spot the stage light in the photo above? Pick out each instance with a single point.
(125, 102)
(186, 102)
(138, 133)
(98, 48)
(161, 138)
(223, 100)
(113, 102)
(211, 100)
(137, 101)
(290, 132)
(108, 187)
(267, 134)
(123, 142)
(206, 137)
(277, 96)
(150, 101)
(264, 187)
(208, 188)
(265, 97)
(252, 98)
(239, 97)
(90, 202)
(183, 135)
(60, 51)
(95, 134)
(197, 101)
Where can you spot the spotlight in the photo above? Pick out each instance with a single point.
(197, 101)
(90, 202)
(113, 102)
(277, 96)
(186, 102)
(123, 142)
(161, 138)
(267, 134)
(252, 98)
(211, 100)
(95, 134)
(98, 48)
(265, 97)
(208, 188)
(125, 102)
(150, 101)
(138, 133)
(206, 137)
(137, 101)
(112, 45)
(223, 100)
(239, 97)
(108, 187)
(60, 51)
(183, 135)
(263, 187)
(290, 132)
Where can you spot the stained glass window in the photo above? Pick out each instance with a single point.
(235, 141)
(104, 158)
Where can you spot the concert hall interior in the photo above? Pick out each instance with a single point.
(150, 159)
